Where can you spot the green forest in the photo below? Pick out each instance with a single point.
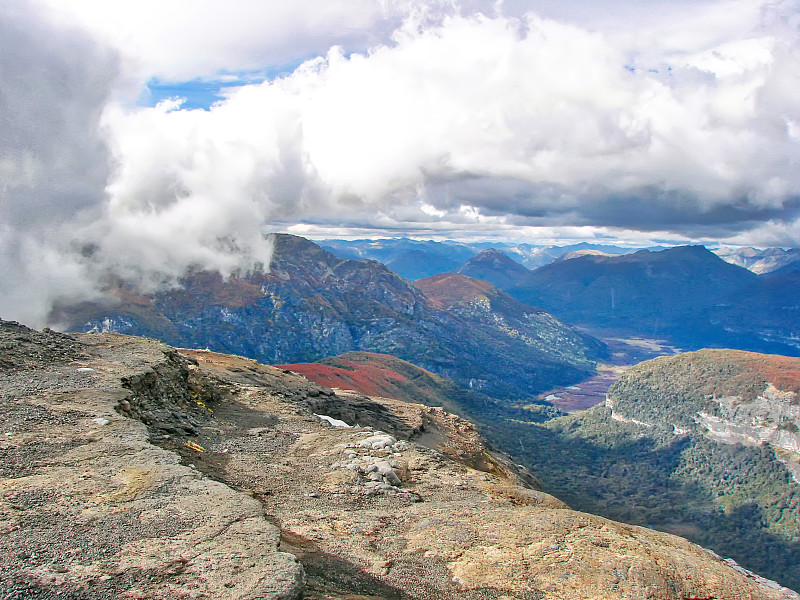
(736, 500)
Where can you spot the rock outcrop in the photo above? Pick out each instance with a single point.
(131, 470)
(91, 508)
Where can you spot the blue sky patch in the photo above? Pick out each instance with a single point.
(197, 92)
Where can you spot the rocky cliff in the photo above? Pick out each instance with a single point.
(131, 470)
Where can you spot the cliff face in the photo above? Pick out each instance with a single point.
(133, 470)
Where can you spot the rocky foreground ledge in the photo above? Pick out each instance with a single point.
(129, 469)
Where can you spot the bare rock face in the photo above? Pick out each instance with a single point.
(89, 508)
(130, 470)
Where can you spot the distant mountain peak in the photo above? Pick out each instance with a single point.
(580, 253)
(495, 256)
(495, 267)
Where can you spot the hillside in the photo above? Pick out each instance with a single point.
(767, 308)
(377, 375)
(416, 264)
(132, 470)
(503, 319)
(311, 304)
(704, 444)
(684, 294)
(390, 377)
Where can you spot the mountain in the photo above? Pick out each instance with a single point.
(528, 255)
(761, 261)
(131, 469)
(739, 415)
(544, 255)
(767, 308)
(503, 319)
(730, 395)
(312, 304)
(579, 253)
(495, 267)
(391, 377)
(681, 293)
(416, 264)
(703, 444)
(387, 250)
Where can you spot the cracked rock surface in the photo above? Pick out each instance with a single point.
(90, 508)
(131, 470)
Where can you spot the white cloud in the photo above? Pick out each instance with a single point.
(534, 119)
(53, 163)
(183, 39)
(429, 118)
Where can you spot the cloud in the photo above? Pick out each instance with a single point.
(53, 162)
(535, 121)
(65, 233)
(467, 119)
(185, 39)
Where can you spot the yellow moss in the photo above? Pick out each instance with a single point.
(135, 480)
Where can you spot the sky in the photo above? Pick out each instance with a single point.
(141, 139)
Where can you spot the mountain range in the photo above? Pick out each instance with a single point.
(530, 256)
(761, 261)
(684, 294)
(312, 304)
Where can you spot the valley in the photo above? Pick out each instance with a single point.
(623, 353)
(400, 300)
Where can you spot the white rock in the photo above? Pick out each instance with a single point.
(378, 442)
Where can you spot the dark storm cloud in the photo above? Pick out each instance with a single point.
(53, 163)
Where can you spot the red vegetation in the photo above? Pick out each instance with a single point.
(375, 375)
(371, 380)
(781, 371)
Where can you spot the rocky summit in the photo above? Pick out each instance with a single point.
(133, 470)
